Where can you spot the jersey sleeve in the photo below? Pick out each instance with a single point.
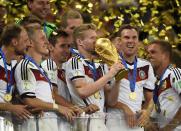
(25, 80)
(74, 69)
(150, 82)
(175, 79)
(50, 67)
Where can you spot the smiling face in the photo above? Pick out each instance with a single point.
(22, 43)
(40, 8)
(40, 42)
(155, 55)
(61, 50)
(129, 42)
(72, 24)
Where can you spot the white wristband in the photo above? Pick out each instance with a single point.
(55, 106)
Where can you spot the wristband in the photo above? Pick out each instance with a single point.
(55, 106)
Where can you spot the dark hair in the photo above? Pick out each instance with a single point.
(30, 20)
(55, 35)
(10, 32)
(127, 26)
(165, 46)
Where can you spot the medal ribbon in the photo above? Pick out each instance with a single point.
(91, 65)
(131, 78)
(9, 83)
(155, 92)
(41, 71)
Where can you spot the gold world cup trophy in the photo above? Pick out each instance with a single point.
(108, 53)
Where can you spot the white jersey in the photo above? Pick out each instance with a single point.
(3, 79)
(57, 77)
(145, 79)
(31, 83)
(77, 68)
(169, 96)
(50, 67)
(62, 85)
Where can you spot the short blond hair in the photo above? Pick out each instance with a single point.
(79, 31)
(71, 14)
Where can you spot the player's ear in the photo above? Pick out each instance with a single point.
(14, 42)
(31, 43)
(50, 47)
(79, 42)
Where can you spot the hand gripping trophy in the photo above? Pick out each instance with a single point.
(108, 53)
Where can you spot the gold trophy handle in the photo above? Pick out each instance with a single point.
(121, 74)
(108, 53)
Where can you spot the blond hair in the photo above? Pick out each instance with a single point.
(71, 14)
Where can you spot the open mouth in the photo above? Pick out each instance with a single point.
(130, 46)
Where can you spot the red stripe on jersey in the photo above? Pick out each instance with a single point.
(61, 75)
(3, 75)
(38, 75)
(142, 73)
(88, 72)
(166, 85)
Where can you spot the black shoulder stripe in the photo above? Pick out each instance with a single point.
(26, 75)
(103, 68)
(22, 75)
(24, 70)
(85, 102)
(51, 64)
(72, 63)
(178, 73)
(75, 64)
(47, 65)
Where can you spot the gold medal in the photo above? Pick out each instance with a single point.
(132, 96)
(7, 97)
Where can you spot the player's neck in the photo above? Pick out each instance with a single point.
(163, 66)
(129, 58)
(9, 54)
(59, 64)
(85, 54)
(36, 56)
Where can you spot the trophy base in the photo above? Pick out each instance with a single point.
(121, 74)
